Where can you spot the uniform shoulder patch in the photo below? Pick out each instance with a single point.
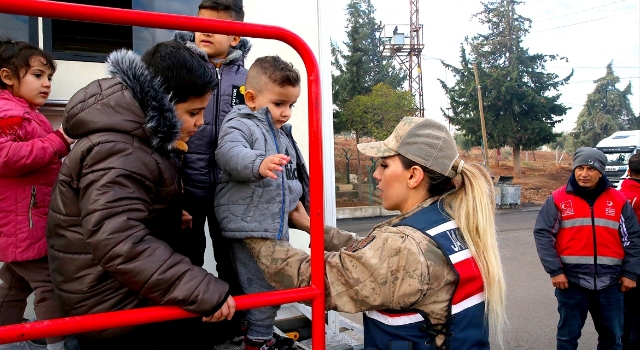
(360, 244)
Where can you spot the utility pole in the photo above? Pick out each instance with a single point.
(484, 130)
(415, 56)
(408, 55)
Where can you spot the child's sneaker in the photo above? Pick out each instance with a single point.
(278, 342)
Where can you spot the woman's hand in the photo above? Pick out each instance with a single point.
(226, 312)
(300, 218)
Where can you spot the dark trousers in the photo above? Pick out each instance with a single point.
(192, 243)
(606, 308)
(18, 280)
(631, 337)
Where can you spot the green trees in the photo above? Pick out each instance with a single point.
(519, 103)
(360, 67)
(606, 111)
(377, 113)
(356, 71)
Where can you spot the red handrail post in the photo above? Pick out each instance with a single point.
(67, 11)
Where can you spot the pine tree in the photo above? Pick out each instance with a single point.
(606, 111)
(361, 66)
(519, 109)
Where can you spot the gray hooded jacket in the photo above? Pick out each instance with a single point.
(247, 204)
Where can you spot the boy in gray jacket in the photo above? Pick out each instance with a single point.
(263, 179)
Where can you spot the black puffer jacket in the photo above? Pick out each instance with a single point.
(198, 167)
(115, 209)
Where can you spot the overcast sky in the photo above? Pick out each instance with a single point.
(590, 33)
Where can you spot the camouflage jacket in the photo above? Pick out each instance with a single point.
(391, 268)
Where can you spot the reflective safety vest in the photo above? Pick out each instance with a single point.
(590, 240)
(466, 327)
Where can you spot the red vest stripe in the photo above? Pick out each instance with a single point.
(470, 285)
(470, 290)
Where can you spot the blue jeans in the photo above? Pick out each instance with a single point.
(606, 307)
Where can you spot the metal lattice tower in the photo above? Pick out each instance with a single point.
(409, 54)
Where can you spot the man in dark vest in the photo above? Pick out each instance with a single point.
(588, 240)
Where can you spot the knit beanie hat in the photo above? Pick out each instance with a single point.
(591, 157)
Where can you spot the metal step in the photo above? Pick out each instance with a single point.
(350, 335)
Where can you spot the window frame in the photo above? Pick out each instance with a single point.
(47, 45)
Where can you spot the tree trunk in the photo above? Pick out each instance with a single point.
(359, 168)
(516, 159)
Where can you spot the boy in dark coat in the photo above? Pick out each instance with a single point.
(115, 212)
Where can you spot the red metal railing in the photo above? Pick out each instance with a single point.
(315, 292)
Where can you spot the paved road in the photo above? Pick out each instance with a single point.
(531, 305)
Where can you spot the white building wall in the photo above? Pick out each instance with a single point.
(300, 17)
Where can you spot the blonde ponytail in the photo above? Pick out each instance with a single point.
(472, 206)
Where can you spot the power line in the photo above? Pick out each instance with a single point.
(585, 10)
(592, 20)
(604, 67)
(592, 81)
(546, 30)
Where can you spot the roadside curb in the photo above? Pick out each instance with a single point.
(519, 210)
(363, 212)
(378, 210)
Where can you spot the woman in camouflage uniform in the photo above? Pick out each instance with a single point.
(429, 278)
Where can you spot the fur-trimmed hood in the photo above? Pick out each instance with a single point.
(239, 51)
(131, 102)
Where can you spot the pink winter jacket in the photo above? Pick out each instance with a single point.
(30, 153)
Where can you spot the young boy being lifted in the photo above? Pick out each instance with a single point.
(263, 179)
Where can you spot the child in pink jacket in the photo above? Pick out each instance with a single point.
(30, 153)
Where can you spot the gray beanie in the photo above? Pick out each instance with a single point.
(591, 157)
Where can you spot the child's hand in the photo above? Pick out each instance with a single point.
(225, 313)
(186, 220)
(273, 163)
(69, 140)
(300, 218)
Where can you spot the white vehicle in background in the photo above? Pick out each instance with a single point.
(618, 148)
